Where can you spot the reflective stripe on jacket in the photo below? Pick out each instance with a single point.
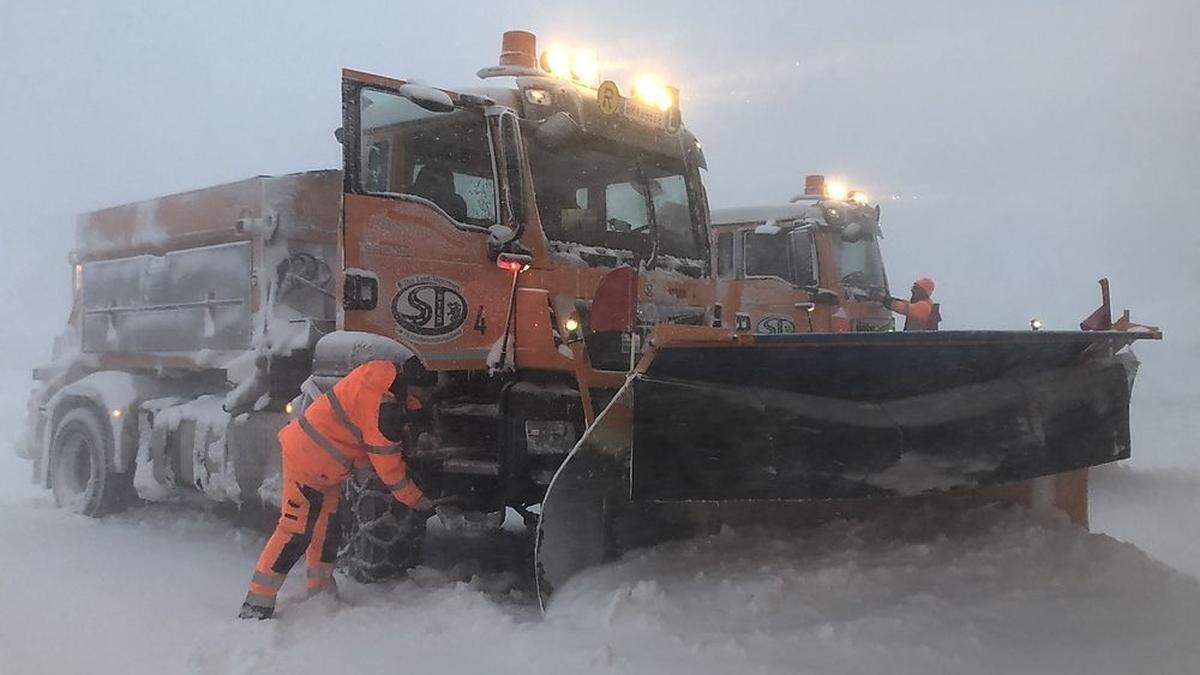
(340, 430)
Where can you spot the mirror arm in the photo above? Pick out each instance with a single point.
(821, 296)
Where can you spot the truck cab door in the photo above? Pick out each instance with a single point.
(420, 192)
(775, 268)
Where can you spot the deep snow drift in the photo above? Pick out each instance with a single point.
(990, 591)
(155, 590)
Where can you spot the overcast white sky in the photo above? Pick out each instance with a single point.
(1034, 146)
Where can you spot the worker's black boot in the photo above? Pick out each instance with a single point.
(250, 611)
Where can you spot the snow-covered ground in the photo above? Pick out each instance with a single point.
(155, 590)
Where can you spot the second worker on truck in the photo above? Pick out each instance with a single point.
(361, 420)
(920, 312)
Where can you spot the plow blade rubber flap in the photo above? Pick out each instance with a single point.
(832, 416)
(589, 490)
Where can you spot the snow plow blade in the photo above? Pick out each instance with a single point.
(832, 416)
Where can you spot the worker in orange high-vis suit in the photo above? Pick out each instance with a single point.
(920, 312)
(362, 420)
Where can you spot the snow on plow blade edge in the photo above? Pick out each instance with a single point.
(832, 416)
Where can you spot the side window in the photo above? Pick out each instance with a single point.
(464, 196)
(480, 195)
(725, 255)
(804, 258)
(443, 157)
(766, 256)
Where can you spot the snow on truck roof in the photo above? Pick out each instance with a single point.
(761, 214)
(314, 173)
(308, 199)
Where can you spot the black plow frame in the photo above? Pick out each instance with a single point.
(811, 418)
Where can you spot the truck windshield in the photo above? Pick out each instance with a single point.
(860, 264)
(441, 157)
(606, 198)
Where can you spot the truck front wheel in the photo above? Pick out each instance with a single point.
(381, 538)
(81, 472)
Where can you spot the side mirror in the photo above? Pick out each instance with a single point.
(853, 232)
(433, 100)
(768, 228)
(556, 131)
(514, 171)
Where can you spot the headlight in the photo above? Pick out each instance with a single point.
(650, 91)
(585, 67)
(556, 61)
(836, 190)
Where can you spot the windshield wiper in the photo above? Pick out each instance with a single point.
(651, 217)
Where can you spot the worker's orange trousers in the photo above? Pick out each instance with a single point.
(303, 529)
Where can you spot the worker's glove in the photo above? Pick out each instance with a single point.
(428, 506)
(887, 301)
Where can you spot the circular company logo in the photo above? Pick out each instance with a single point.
(429, 308)
(776, 324)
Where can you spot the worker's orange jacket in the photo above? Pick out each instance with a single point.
(340, 432)
(919, 315)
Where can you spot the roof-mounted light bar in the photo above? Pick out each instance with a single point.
(816, 185)
(578, 65)
(651, 101)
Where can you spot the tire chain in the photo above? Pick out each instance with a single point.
(381, 539)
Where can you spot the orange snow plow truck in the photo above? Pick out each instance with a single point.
(542, 242)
